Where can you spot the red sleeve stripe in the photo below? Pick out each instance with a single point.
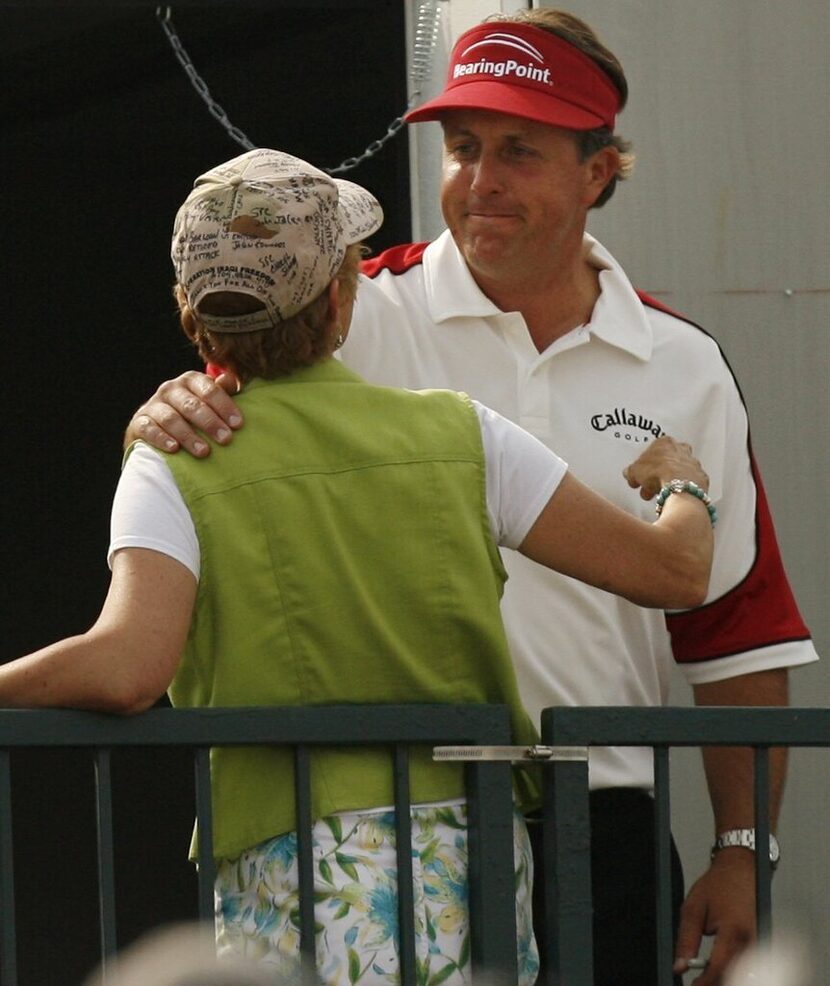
(761, 610)
(397, 259)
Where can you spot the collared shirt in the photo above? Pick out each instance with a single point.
(596, 396)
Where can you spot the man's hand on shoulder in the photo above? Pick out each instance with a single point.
(184, 412)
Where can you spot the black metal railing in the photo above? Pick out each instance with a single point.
(489, 792)
(566, 870)
(566, 833)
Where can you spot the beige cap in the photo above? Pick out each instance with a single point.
(269, 225)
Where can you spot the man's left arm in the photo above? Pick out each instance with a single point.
(735, 651)
(722, 900)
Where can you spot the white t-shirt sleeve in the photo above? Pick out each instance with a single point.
(148, 511)
(522, 475)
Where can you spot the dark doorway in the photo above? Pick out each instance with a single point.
(102, 135)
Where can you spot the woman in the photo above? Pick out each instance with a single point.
(343, 549)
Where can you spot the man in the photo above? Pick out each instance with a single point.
(518, 306)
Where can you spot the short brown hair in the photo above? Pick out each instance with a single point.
(579, 34)
(301, 340)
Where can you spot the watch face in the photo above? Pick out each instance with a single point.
(774, 850)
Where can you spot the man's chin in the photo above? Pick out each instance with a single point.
(485, 254)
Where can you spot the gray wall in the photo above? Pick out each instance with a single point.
(727, 220)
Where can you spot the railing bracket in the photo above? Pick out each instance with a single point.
(539, 753)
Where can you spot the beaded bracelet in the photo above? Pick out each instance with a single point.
(685, 486)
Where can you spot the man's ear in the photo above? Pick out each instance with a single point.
(601, 168)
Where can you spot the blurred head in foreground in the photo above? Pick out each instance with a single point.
(180, 955)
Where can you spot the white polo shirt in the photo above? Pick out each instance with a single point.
(596, 396)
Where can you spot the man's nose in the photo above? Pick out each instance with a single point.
(487, 174)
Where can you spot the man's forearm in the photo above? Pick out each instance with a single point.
(729, 770)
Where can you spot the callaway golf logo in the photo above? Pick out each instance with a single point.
(531, 65)
(630, 426)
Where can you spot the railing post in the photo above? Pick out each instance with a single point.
(106, 858)
(403, 848)
(662, 866)
(763, 868)
(204, 816)
(8, 933)
(305, 863)
(492, 871)
(566, 870)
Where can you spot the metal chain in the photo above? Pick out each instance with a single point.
(198, 83)
(426, 35)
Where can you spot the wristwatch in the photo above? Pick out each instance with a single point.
(746, 838)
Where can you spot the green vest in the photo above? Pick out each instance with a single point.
(346, 558)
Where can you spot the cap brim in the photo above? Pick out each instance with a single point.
(500, 97)
(360, 211)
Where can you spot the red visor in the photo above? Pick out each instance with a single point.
(524, 71)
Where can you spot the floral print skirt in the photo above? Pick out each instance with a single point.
(355, 884)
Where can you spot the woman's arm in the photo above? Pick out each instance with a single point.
(125, 662)
(665, 564)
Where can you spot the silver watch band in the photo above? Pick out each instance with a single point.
(746, 838)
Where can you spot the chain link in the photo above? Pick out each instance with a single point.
(426, 35)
